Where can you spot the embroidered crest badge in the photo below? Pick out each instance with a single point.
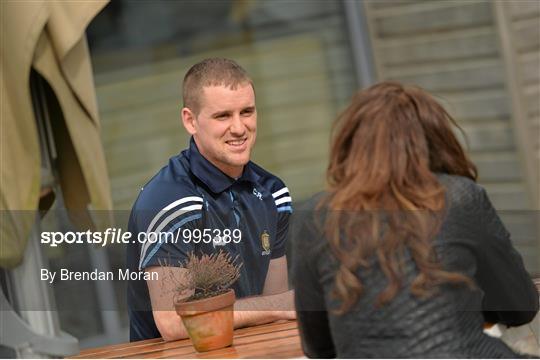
(265, 242)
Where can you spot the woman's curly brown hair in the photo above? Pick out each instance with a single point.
(384, 196)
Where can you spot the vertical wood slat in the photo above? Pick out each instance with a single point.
(503, 21)
(378, 65)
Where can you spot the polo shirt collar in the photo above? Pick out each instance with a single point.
(211, 176)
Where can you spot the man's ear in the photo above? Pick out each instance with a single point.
(188, 119)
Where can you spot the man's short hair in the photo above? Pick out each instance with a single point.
(211, 72)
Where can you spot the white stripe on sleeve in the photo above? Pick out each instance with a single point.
(280, 192)
(283, 200)
(181, 201)
(163, 224)
(170, 206)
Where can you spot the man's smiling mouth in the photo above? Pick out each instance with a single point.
(237, 142)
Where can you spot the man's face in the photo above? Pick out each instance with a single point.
(226, 126)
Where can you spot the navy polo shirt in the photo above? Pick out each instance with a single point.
(204, 210)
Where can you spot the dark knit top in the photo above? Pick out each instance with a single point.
(472, 240)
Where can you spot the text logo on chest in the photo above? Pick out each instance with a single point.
(257, 194)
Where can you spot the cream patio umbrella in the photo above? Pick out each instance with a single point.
(48, 36)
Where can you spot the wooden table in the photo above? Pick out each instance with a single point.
(276, 340)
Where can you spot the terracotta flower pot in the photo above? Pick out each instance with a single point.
(209, 322)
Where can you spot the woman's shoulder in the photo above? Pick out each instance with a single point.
(309, 218)
(461, 190)
(311, 209)
(313, 202)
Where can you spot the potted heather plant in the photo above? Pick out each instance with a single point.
(207, 314)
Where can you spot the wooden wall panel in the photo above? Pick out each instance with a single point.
(436, 16)
(459, 44)
(453, 49)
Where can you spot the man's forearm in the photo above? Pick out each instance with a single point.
(247, 312)
(264, 309)
(170, 325)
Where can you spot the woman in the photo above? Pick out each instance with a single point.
(404, 255)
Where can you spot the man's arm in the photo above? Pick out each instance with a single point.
(162, 292)
(276, 302)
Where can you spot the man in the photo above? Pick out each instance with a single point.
(208, 192)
